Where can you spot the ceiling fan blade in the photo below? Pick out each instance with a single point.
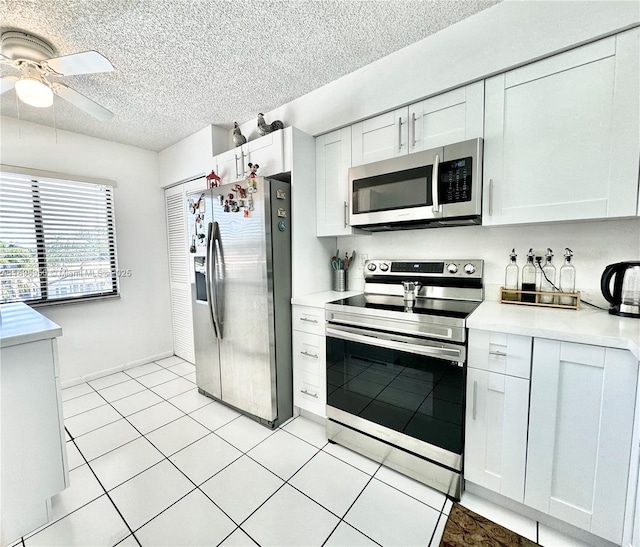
(82, 102)
(7, 83)
(87, 62)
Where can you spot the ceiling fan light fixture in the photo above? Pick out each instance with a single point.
(34, 92)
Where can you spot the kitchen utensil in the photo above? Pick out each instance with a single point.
(625, 298)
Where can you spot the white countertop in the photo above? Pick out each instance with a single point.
(586, 326)
(319, 299)
(20, 324)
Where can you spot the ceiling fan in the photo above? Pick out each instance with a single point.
(35, 60)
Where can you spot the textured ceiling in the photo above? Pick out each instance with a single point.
(183, 64)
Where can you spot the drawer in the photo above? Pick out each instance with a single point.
(499, 352)
(309, 353)
(309, 392)
(308, 319)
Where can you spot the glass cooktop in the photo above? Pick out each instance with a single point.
(425, 306)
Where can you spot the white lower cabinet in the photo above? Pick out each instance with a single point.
(497, 411)
(33, 455)
(309, 360)
(560, 443)
(580, 433)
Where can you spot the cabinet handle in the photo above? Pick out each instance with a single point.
(399, 134)
(315, 395)
(237, 172)
(309, 320)
(499, 353)
(413, 129)
(490, 197)
(309, 354)
(434, 184)
(475, 398)
(346, 214)
(244, 168)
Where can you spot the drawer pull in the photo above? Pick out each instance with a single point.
(498, 353)
(309, 354)
(309, 393)
(309, 320)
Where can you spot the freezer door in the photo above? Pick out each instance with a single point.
(205, 342)
(247, 344)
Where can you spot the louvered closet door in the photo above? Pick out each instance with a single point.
(179, 273)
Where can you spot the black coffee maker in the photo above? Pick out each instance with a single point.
(625, 297)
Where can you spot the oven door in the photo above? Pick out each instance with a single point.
(406, 391)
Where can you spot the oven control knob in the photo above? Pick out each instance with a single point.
(469, 268)
(384, 266)
(371, 267)
(452, 268)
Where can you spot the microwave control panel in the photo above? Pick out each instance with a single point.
(455, 180)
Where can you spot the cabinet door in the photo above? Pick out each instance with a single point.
(179, 275)
(228, 165)
(333, 159)
(267, 152)
(580, 431)
(562, 136)
(496, 432)
(448, 118)
(380, 138)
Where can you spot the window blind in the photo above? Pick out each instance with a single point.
(57, 240)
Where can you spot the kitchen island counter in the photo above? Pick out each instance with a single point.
(585, 326)
(20, 324)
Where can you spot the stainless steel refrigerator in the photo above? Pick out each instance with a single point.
(240, 239)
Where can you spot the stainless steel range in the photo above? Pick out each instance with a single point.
(396, 366)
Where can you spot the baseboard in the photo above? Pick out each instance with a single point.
(581, 535)
(310, 415)
(106, 372)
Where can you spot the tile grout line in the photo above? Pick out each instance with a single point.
(196, 487)
(167, 458)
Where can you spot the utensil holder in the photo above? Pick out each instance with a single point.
(339, 280)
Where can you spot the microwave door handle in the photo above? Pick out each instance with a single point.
(434, 184)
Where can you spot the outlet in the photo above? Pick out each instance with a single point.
(362, 258)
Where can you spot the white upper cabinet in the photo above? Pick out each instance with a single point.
(562, 136)
(333, 159)
(380, 138)
(444, 119)
(267, 152)
(452, 117)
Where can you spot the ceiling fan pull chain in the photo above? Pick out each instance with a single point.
(55, 120)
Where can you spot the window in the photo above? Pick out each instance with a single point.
(57, 240)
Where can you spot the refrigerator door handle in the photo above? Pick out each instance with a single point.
(210, 272)
(217, 281)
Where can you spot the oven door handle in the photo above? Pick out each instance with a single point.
(402, 343)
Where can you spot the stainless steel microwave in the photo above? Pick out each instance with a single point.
(438, 187)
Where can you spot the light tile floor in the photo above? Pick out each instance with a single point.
(153, 462)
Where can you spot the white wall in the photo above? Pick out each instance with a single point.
(594, 244)
(135, 328)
